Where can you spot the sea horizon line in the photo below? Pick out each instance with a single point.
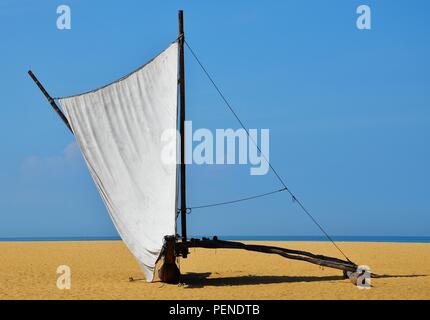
(304, 238)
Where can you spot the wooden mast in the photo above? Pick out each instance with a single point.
(169, 271)
(181, 41)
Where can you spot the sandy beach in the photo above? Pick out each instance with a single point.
(101, 270)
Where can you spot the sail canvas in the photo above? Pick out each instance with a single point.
(119, 128)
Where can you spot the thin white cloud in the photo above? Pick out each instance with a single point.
(70, 158)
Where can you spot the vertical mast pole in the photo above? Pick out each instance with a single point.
(182, 129)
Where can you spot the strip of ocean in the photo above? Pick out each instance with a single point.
(405, 239)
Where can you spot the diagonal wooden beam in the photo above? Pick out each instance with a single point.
(50, 100)
(320, 260)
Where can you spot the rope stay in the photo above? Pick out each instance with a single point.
(237, 200)
(293, 197)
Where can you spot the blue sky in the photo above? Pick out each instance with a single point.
(348, 111)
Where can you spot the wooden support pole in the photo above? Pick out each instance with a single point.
(286, 253)
(51, 101)
(182, 132)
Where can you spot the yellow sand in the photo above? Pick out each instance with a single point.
(101, 269)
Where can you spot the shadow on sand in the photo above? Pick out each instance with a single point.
(200, 280)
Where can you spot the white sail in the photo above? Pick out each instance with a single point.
(118, 129)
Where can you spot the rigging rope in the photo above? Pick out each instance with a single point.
(237, 200)
(294, 198)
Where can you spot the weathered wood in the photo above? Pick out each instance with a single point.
(169, 271)
(320, 260)
(51, 101)
(182, 132)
